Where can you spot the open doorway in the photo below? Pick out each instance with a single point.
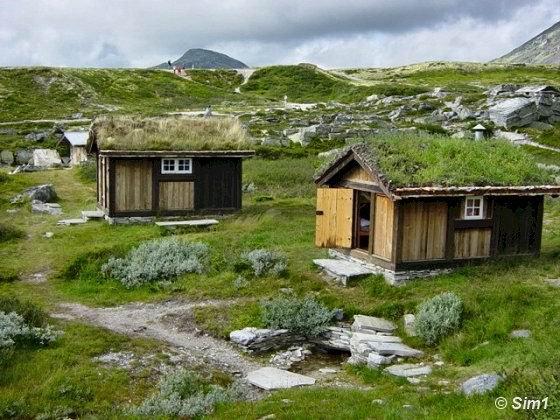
(363, 220)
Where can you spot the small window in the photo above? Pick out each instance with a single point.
(176, 166)
(474, 208)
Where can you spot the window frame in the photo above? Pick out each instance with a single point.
(176, 169)
(467, 207)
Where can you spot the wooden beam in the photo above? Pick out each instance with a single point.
(360, 186)
(398, 232)
(371, 222)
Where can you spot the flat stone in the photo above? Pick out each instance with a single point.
(345, 270)
(71, 222)
(92, 214)
(363, 322)
(47, 208)
(520, 334)
(362, 337)
(201, 222)
(375, 360)
(553, 282)
(480, 384)
(409, 370)
(397, 349)
(328, 371)
(271, 378)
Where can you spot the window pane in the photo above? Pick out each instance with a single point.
(469, 212)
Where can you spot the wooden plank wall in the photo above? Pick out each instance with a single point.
(218, 183)
(383, 227)
(357, 174)
(333, 228)
(133, 185)
(176, 195)
(424, 230)
(472, 243)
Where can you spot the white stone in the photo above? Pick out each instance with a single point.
(397, 349)
(363, 322)
(92, 214)
(342, 269)
(480, 384)
(271, 378)
(45, 158)
(375, 360)
(68, 222)
(520, 334)
(49, 235)
(363, 337)
(409, 324)
(48, 208)
(409, 370)
(201, 222)
(328, 370)
(553, 282)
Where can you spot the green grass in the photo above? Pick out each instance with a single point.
(39, 92)
(307, 84)
(219, 78)
(499, 296)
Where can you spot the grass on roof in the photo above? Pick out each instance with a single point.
(132, 133)
(432, 160)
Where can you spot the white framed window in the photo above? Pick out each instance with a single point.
(176, 166)
(474, 208)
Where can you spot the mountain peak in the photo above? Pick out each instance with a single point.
(200, 58)
(542, 49)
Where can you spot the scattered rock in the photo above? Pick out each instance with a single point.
(69, 222)
(375, 360)
(7, 157)
(36, 137)
(520, 334)
(46, 208)
(285, 359)
(23, 157)
(409, 324)
(553, 282)
(378, 401)
(396, 349)
(328, 371)
(261, 339)
(409, 370)
(334, 338)
(414, 381)
(370, 323)
(46, 158)
(271, 378)
(480, 384)
(43, 193)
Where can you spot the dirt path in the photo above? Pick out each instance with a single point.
(172, 322)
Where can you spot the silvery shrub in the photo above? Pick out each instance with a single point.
(305, 316)
(14, 328)
(264, 262)
(438, 317)
(185, 394)
(158, 260)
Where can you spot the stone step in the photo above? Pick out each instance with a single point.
(397, 349)
(342, 270)
(272, 378)
(200, 222)
(92, 214)
(68, 222)
(363, 323)
(409, 370)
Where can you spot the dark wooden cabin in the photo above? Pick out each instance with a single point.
(413, 231)
(135, 180)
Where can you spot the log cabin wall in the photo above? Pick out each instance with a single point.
(136, 187)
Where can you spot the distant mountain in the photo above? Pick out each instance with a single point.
(199, 58)
(542, 49)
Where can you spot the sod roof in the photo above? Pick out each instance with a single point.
(418, 160)
(168, 134)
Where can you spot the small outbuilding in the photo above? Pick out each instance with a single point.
(75, 142)
(168, 166)
(412, 206)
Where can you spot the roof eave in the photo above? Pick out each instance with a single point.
(197, 153)
(526, 190)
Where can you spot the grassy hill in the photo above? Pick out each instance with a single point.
(36, 93)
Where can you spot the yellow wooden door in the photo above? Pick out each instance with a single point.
(335, 207)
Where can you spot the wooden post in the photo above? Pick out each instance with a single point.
(373, 203)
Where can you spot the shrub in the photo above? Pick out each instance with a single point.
(31, 313)
(87, 171)
(265, 262)
(185, 394)
(158, 260)
(305, 316)
(438, 317)
(13, 328)
(7, 233)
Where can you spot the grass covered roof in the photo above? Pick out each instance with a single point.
(168, 134)
(423, 160)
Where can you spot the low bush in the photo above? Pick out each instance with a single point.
(264, 263)
(13, 329)
(87, 171)
(158, 260)
(7, 233)
(438, 317)
(305, 316)
(31, 313)
(185, 394)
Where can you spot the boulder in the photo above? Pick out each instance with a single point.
(409, 370)
(514, 112)
(375, 360)
(23, 157)
(304, 135)
(408, 320)
(40, 136)
(271, 378)
(480, 384)
(42, 193)
(7, 157)
(45, 158)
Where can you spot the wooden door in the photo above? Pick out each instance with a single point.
(176, 195)
(424, 230)
(383, 227)
(133, 185)
(335, 207)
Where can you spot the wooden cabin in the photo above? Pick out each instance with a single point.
(405, 231)
(168, 167)
(75, 143)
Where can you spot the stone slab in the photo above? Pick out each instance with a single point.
(68, 222)
(371, 323)
(480, 384)
(201, 222)
(272, 378)
(397, 349)
(409, 370)
(92, 214)
(343, 269)
(553, 282)
(362, 337)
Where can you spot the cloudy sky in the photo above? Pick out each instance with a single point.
(330, 33)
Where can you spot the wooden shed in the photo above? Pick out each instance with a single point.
(169, 166)
(75, 142)
(411, 226)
